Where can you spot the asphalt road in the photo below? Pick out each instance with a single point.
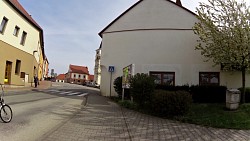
(38, 113)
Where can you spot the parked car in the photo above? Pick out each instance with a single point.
(92, 84)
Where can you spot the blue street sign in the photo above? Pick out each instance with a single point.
(111, 68)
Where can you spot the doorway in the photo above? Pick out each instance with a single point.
(7, 78)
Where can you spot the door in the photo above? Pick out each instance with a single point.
(7, 78)
(26, 79)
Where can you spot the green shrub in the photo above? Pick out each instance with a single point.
(114, 98)
(208, 94)
(141, 88)
(127, 104)
(118, 88)
(247, 94)
(173, 88)
(118, 85)
(171, 103)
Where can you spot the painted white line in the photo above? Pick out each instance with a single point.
(54, 91)
(65, 92)
(83, 94)
(74, 93)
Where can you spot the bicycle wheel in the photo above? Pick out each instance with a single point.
(6, 113)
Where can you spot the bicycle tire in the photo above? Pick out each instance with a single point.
(6, 113)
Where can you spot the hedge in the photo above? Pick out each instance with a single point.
(201, 94)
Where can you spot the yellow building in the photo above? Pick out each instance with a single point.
(21, 45)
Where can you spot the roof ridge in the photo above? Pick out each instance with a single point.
(21, 9)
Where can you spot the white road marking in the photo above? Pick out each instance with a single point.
(74, 93)
(65, 92)
(83, 94)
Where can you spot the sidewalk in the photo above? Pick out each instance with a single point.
(103, 119)
(42, 85)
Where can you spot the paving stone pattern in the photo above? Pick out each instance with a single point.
(104, 120)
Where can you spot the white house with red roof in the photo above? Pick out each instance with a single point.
(157, 37)
(60, 78)
(21, 45)
(77, 74)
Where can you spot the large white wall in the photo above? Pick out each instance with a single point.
(32, 42)
(169, 45)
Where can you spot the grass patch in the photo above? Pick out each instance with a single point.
(215, 115)
(211, 115)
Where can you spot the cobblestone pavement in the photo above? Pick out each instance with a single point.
(104, 120)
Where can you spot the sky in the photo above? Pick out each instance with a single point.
(71, 27)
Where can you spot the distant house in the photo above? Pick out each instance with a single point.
(91, 78)
(60, 78)
(77, 74)
(157, 37)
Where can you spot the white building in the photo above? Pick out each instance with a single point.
(157, 36)
(77, 74)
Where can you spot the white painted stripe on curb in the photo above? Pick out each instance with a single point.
(83, 94)
(74, 93)
(65, 92)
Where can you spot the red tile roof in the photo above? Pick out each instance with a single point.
(78, 69)
(20, 8)
(60, 77)
(91, 77)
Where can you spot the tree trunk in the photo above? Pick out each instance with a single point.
(243, 96)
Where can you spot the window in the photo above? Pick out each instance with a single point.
(16, 31)
(209, 78)
(164, 78)
(74, 75)
(24, 35)
(3, 24)
(18, 66)
(79, 76)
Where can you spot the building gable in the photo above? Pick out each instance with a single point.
(152, 14)
(78, 69)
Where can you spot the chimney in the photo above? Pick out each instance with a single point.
(178, 2)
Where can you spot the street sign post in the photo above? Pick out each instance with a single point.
(111, 69)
